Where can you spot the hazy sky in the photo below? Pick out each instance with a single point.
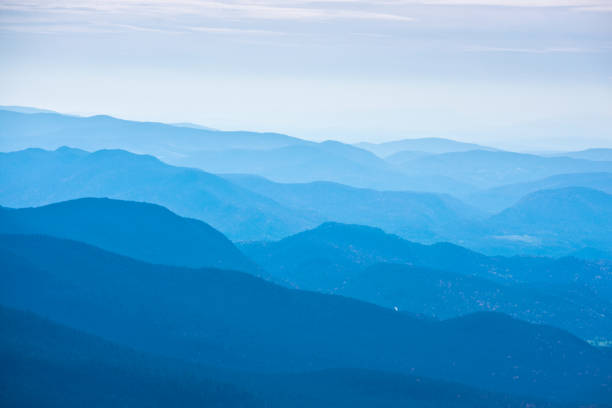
(522, 74)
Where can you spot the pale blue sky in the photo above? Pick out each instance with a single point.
(518, 74)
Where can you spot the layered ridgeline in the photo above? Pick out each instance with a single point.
(36, 177)
(252, 208)
(46, 364)
(581, 213)
(486, 168)
(413, 215)
(280, 157)
(243, 208)
(499, 198)
(424, 145)
(441, 280)
(139, 230)
(549, 222)
(435, 165)
(233, 320)
(600, 154)
(50, 130)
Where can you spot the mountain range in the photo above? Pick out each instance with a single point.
(50, 130)
(146, 264)
(242, 207)
(600, 154)
(440, 280)
(429, 164)
(48, 364)
(248, 208)
(487, 169)
(499, 198)
(571, 217)
(236, 321)
(67, 174)
(429, 145)
(281, 157)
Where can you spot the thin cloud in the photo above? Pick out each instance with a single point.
(203, 8)
(515, 3)
(228, 30)
(549, 50)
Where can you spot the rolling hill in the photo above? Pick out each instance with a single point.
(487, 169)
(499, 198)
(326, 161)
(441, 279)
(242, 207)
(366, 246)
(233, 320)
(413, 215)
(36, 177)
(46, 364)
(443, 294)
(574, 217)
(143, 231)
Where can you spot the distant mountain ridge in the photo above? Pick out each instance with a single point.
(276, 156)
(487, 169)
(52, 130)
(25, 109)
(499, 198)
(413, 215)
(427, 164)
(599, 154)
(577, 213)
(193, 126)
(329, 161)
(242, 207)
(67, 174)
(431, 145)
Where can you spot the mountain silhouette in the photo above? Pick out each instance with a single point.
(573, 217)
(53, 365)
(233, 320)
(600, 154)
(487, 169)
(499, 198)
(242, 207)
(66, 174)
(140, 230)
(420, 216)
(53, 130)
(433, 145)
(363, 245)
(440, 280)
